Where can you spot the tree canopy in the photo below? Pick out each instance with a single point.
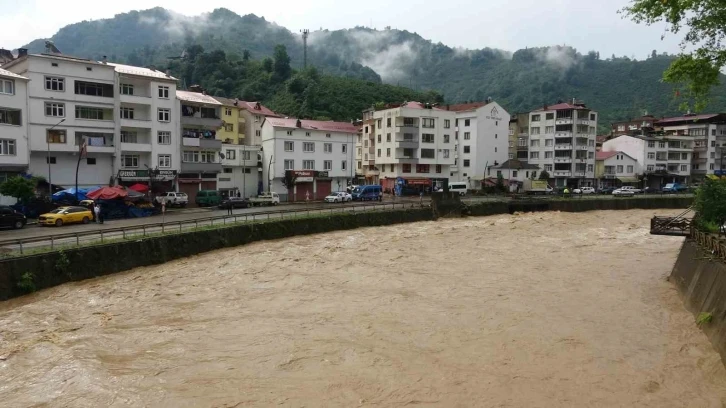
(18, 187)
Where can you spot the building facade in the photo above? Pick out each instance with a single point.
(201, 151)
(318, 155)
(234, 126)
(252, 117)
(637, 126)
(519, 137)
(367, 172)
(481, 140)
(614, 169)
(415, 146)
(241, 170)
(14, 153)
(562, 143)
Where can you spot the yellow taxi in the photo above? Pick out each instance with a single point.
(66, 215)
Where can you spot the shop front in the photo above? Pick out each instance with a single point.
(403, 186)
(309, 185)
(159, 181)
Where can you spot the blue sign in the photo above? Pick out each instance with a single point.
(398, 189)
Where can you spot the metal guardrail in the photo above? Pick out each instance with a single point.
(178, 226)
(710, 242)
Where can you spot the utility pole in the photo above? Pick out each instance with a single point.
(305, 34)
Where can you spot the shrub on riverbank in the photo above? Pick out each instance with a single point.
(710, 205)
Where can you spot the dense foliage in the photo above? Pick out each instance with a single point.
(618, 87)
(18, 187)
(710, 204)
(304, 94)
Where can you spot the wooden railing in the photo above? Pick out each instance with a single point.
(712, 243)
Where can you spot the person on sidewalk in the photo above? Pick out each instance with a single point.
(92, 209)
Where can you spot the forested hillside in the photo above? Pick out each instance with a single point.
(618, 87)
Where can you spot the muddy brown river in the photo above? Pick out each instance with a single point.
(533, 310)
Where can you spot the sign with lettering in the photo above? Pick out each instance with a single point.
(133, 173)
(323, 174)
(494, 114)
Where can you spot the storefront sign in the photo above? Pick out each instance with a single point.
(323, 174)
(418, 182)
(133, 174)
(303, 176)
(164, 175)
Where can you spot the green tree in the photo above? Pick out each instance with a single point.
(710, 204)
(704, 24)
(18, 187)
(544, 175)
(282, 68)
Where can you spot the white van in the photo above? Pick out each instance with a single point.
(458, 187)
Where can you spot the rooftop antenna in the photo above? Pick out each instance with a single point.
(305, 34)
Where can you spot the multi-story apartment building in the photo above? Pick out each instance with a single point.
(252, 116)
(201, 151)
(241, 170)
(613, 169)
(149, 136)
(14, 154)
(234, 125)
(319, 154)
(481, 140)
(365, 159)
(519, 137)
(633, 127)
(70, 101)
(414, 145)
(562, 142)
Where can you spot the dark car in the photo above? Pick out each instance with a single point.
(234, 202)
(11, 218)
(607, 190)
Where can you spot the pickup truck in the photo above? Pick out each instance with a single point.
(173, 198)
(265, 199)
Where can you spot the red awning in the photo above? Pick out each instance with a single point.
(141, 188)
(107, 193)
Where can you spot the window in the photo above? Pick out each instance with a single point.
(164, 115)
(446, 138)
(55, 84)
(229, 127)
(208, 157)
(548, 155)
(713, 143)
(651, 144)
(344, 148)
(423, 168)
(307, 134)
(388, 122)
(438, 168)
(427, 153)
(309, 164)
(535, 118)
(388, 137)
(534, 130)
(388, 152)
(83, 112)
(548, 167)
(406, 168)
(684, 167)
(467, 149)
(549, 130)
(446, 154)
(190, 157)
(379, 123)
(289, 132)
(511, 156)
(308, 147)
(429, 123)
(289, 146)
(710, 166)
(163, 92)
(427, 138)
(228, 112)
(164, 138)
(651, 155)
(620, 169)
(55, 109)
(661, 145)
(590, 155)
(344, 165)
(379, 152)
(393, 167)
(592, 116)
(630, 169)
(467, 135)
(289, 164)
(328, 136)
(684, 156)
(50, 160)
(128, 137)
(93, 89)
(7, 147)
(227, 170)
(127, 89)
(549, 142)
(534, 155)
(549, 116)
(56, 136)
(231, 154)
(246, 155)
(447, 125)
(590, 168)
(10, 117)
(514, 173)
(713, 155)
(129, 160)
(534, 143)
(91, 161)
(127, 113)
(379, 138)
(328, 165)
(328, 147)
(467, 122)
(7, 87)
(466, 162)
(164, 160)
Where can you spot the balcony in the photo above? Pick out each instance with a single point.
(563, 121)
(609, 175)
(562, 173)
(563, 147)
(209, 123)
(187, 167)
(522, 148)
(209, 144)
(136, 99)
(561, 133)
(136, 123)
(406, 142)
(563, 159)
(96, 144)
(702, 148)
(371, 150)
(406, 157)
(700, 160)
(581, 147)
(372, 173)
(136, 147)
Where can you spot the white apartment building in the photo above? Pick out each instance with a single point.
(70, 100)
(148, 146)
(201, 152)
(365, 150)
(241, 170)
(694, 143)
(14, 153)
(481, 140)
(614, 168)
(414, 145)
(319, 154)
(562, 142)
(253, 114)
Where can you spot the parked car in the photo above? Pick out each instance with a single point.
(66, 215)
(623, 193)
(459, 187)
(208, 198)
(366, 193)
(607, 190)
(587, 190)
(11, 218)
(234, 202)
(674, 188)
(635, 190)
(173, 199)
(338, 197)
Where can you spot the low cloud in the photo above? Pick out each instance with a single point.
(561, 57)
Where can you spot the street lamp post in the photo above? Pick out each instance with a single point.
(47, 140)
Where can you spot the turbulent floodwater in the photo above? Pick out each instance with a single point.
(534, 310)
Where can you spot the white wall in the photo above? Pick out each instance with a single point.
(632, 146)
(64, 170)
(489, 140)
(17, 133)
(625, 161)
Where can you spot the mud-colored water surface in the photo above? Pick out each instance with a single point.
(534, 310)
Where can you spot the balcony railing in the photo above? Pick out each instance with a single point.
(563, 159)
(562, 173)
(563, 147)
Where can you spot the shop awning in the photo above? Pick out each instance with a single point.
(628, 179)
(712, 176)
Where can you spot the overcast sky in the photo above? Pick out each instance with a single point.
(504, 24)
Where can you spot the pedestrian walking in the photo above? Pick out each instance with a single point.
(229, 208)
(92, 209)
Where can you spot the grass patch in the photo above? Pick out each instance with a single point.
(26, 283)
(704, 318)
